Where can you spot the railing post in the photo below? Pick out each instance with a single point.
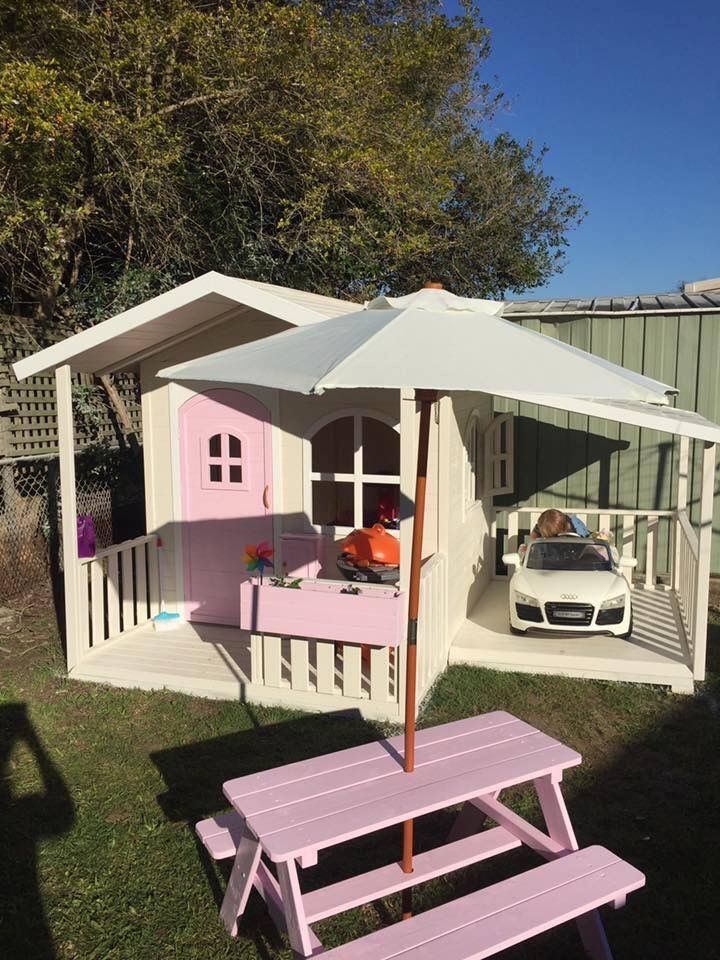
(682, 497)
(702, 585)
(76, 615)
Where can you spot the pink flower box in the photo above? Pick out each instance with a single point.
(376, 616)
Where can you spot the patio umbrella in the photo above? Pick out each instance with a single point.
(430, 341)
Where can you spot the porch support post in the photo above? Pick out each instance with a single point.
(682, 502)
(707, 497)
(66, 447)
(683, 473)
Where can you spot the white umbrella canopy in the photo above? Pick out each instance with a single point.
(428, 340)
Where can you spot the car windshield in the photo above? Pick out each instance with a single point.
(575, 554)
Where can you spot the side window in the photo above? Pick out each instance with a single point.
(222, 461)
(499, 443)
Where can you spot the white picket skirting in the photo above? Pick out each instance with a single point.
(119, 589)
(357, 676)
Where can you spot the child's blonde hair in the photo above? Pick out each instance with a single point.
(553, 523)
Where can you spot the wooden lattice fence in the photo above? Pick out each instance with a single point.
(28, 417)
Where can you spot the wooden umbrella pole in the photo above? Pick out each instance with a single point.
(426, 399)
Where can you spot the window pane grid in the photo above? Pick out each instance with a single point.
(365, 500)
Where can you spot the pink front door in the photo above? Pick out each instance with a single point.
(226, 463)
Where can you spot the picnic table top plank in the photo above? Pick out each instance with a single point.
(414, 802)
(317, 803)
(241, 787)
(387, 765)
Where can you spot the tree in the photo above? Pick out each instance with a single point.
(337, 147)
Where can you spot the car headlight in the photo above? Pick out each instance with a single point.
(524, 598)
(613, 602)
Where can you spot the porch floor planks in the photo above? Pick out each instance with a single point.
(201, 659)
(656, 652)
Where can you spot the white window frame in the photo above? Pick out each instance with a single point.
(474, 465)
(357, 478)
(498, 453)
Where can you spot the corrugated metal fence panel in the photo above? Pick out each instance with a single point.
(563, 458)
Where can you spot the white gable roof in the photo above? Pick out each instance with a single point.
(119, 341)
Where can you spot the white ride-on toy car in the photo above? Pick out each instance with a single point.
(570, 584)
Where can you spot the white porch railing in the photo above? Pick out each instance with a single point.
(626, 524)
(433, 638)
(119, 589)
(685, 574)
(322, 674)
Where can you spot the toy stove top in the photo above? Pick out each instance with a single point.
(370, 573)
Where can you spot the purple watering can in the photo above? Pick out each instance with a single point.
(85, 535)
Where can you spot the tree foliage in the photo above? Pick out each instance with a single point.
(339, 147)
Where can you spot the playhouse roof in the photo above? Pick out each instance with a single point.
(120, 341)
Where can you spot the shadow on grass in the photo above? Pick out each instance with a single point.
(654, 799)
(194, 775)
(26, 819)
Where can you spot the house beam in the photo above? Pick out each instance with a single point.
(71, 566)
(707, 491)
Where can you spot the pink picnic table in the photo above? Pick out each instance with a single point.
(287, 815)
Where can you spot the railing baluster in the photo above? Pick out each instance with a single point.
(256, 658)
(352, 671)
(325, 667)
(628, 543)
(380, 674)
(651, 553)
(128, 590)
(153, 576)
(97, 578)
(299, 664)
(113, 595)
(513, 527)
(84, 607)
(272, 661)
(141, 587)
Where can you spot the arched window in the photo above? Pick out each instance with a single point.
(222, 461)
(352, 472)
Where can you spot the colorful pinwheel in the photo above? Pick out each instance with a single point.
(258, 557)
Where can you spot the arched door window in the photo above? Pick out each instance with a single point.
(352, 473)
(222, 461)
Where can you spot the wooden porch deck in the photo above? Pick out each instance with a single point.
(656, 653)
(194, 658)
(205, 660)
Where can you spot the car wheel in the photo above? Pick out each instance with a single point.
(626, 636)
(516, 632)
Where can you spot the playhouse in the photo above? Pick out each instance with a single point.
(230, 466)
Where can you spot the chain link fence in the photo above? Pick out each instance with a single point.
(109, 489)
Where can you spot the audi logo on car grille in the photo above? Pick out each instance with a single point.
(568, 596)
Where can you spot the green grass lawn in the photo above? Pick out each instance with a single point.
(100, 789)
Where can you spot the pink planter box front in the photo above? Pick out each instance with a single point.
(318, 610)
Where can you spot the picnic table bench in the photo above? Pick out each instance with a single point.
(288, 814)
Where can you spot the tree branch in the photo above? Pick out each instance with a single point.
(204, 98)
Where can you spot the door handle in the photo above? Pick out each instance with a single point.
(266, 497)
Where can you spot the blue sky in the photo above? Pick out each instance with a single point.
(627, 97)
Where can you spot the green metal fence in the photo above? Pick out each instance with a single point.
(579, 461)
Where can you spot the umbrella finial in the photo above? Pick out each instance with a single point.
(433, 285)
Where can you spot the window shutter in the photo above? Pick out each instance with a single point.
(500, 456)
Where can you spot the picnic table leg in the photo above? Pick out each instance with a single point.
(559, 827)
(241, 881)
(299, 933)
